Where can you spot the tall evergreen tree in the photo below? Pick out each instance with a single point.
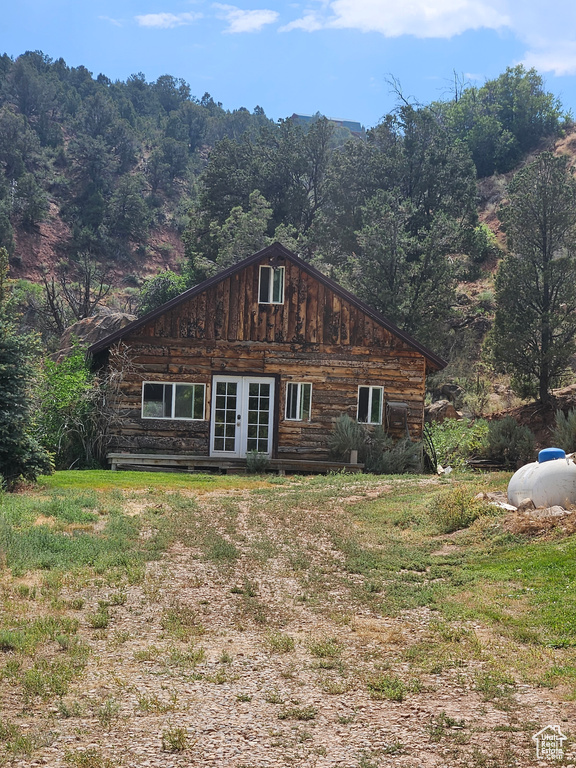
(20, 453)
(534, 333)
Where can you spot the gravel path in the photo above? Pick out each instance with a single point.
(245, 663)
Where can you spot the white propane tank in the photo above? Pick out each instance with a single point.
(549, 481)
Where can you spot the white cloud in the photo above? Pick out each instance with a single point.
(115, 22)
(559, 58)
(540, 27)
(421, 18)
(167, 20)
(310, 22)
(245, 21)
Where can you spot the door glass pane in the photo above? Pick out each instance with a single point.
(258, 417)
(225, 416)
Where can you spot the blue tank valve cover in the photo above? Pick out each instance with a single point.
(549, 454)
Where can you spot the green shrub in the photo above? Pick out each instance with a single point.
(376, 449)
(457, 508)
(509, 442)
(175, 740)
(347, 435)
(67, 422)
(398, 459)
(257, 463)
(387, 687)
(457, 440)
(564, 434)
(20, 453)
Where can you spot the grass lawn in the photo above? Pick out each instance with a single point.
(84, 554)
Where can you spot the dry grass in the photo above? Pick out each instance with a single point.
(294, 622)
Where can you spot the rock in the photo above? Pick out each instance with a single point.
(440, 410)
(452, 392)
(525, 505)
(91, 329)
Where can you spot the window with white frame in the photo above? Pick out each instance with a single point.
(298, 401)
(271, 288)
(173, 401)
(370, 402)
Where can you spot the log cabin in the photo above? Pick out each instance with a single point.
(263, 357)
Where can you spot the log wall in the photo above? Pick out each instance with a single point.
(314, 336)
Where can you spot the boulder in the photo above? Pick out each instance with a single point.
(91, 329)
(440, 410)
(452, 392)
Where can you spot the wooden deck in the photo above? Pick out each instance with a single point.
(185, 463)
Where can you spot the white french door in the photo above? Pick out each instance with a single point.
(242, 415)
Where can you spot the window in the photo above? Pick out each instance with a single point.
(173, 401)
(298, 401)
(271, 289)
(370, 400)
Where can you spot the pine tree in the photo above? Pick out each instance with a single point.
(534, 333)
(21, 456)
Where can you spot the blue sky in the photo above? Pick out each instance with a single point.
(330, 56)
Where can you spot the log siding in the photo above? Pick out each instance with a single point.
(319, 334)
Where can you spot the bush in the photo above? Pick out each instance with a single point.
(398, 459)
(347, 435)
(510, 442)
(564, 434)
(376, 449)
(67, 421)
(457, 440)
(20, 453)
(257, 463)
(457, 508)
(157, 290)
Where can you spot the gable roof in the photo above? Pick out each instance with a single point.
(276, 249)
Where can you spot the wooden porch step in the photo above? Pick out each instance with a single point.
(186, 463)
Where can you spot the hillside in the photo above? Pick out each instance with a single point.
(106, 183)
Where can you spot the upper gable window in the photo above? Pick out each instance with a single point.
(271, 289)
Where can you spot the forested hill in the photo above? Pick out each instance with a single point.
(121, 178)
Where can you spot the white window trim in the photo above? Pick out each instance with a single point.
(271, 283)
(298, 385)
(371, 388)
(174, 384)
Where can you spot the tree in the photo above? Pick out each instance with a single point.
(243, 233)
(534, 329)
(68, 399)
(20, 453)
(157, 290)
(73, 292)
